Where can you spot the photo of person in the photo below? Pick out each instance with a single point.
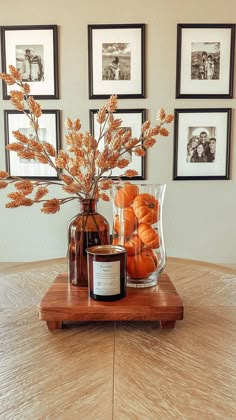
(205, 60)
(201, 144)
(116, 61)
(29, 61)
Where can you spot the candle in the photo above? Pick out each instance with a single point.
(107, 272)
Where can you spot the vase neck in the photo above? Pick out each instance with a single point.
(88, 205)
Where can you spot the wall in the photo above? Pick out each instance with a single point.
(199, 216)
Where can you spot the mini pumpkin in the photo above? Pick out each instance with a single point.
(142, 265)
(146, 208)
(148, 235)
(133, 244)
(128, 225)
(125, 195)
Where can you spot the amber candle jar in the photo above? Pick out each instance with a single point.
(107, 272)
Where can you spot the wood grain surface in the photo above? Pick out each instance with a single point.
(119, 370)
(64, 301)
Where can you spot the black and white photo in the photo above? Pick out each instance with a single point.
(33, 50)
(202, 143)
(205, 60)
(116, 60)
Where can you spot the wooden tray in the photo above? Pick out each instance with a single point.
(65, 302)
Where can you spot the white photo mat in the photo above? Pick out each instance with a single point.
(210, 118)
(209, 36)
(31, 38)
(126, 35)
(49, 126)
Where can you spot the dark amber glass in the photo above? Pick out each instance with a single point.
(87, 229)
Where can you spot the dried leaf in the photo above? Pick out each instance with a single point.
(145, 125)
(130, 173)
(26, 88)
(3, 184)
(41, 158)
(160, 114)
(27, 202)
(51, 206)
(112, 104)
(12, 204)
(122, 163)
(50, 149)
(72, 188)
(101, 115)
(21, 137)
(169, 118)
(62, 159)
(25, 186)
(104, 196)
(15, 73)
(34, 107)
(26, 154)
(38, 147)
(15, 147)
(69, 124)
(40, 193)
(139, 152)
(149, 142)
(164, 132)
(9, 80)
(77, 125)
(4, 175)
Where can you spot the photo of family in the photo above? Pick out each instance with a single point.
(201, 146)
(205, 60)
(116, 61)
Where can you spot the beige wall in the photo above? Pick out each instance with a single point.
(199, 216)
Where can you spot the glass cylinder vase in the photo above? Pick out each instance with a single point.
(87, 229)
(137, 225)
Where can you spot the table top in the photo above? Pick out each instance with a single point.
(119, 370)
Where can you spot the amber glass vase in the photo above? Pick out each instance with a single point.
(87, 229)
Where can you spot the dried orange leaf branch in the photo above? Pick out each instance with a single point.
(83, 170)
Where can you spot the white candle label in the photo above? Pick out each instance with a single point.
(106, 278)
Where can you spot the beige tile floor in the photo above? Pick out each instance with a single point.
(119, 370)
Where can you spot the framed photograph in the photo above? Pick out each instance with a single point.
(132, 120)
(205, 60)
(116, 60)
(202, 144)
(33, 50)
(49, 131)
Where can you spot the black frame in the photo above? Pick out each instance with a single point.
(7, 132)
(92, 90)
(5, 49)
(228, 114)
(93, 112)
(228, 93)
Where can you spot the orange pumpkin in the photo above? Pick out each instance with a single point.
(146, 208)
(149, 236)
(142, 265)
(133, 244)
(129, 222)
(125, 195)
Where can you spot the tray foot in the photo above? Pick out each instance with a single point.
(167, 324)
(54, 325)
